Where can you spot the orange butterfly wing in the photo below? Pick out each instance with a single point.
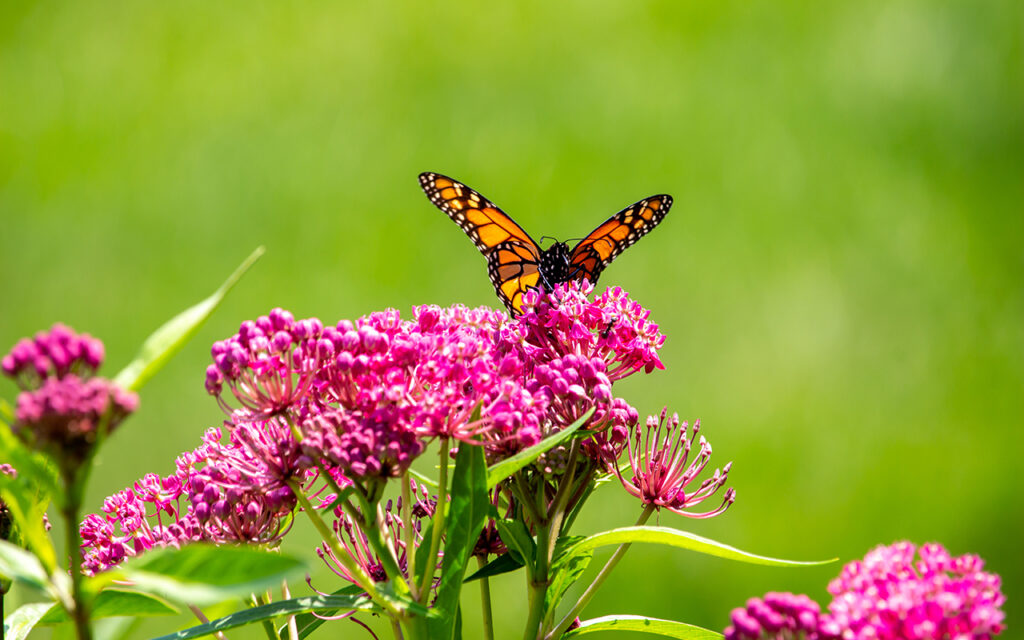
(513, 258)
(593, 253)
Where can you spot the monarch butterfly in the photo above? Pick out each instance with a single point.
(515, 262)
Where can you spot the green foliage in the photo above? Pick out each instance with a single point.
(678, 539)
(651, 626)
(498, 472)
(325, 604)
(116, 602)
(20, 623)
(27, 496)
(204, 574)
(467, 513)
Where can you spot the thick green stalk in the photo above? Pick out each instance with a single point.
(564, 623)
(485, 602)
(538, 584)
(268, 626)
(80, 610)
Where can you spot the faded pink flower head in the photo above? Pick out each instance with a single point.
(892, 594)
(52, 354)
(63, 415)
(659, 459)
(62, 407)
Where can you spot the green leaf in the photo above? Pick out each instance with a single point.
(204, 574)
(682, 540)
(21, 566)
(504, 563)
(19, 624)
(306, 623)
(517, 538)
(498, 472)
(273, 610)
(653, 626)
(173, 334)
(118, 602)
(468, 511)
(28, 495)
(565, 570)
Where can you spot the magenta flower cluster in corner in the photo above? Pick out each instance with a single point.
(898, 592)
(361, 400)
(62, 405)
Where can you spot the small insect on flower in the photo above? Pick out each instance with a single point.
(515, 262)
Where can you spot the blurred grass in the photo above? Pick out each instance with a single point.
(840, 277)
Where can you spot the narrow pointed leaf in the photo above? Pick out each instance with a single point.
(681, 540)
(204, 574)
(19, 624)
(173, 334)
(502, 564)
(498, 472)
(653, 626)
(468, 511)
(565, 570)
(273, 610)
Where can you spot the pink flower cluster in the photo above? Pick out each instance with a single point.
(893, 595)
(220, 493)
(777, 616)
(367, 396)
(898, 592)
(62, 407)
(361, 400)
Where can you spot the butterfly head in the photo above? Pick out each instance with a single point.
(554, 263)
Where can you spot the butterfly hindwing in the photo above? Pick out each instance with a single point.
(513, 258)
(589, 258)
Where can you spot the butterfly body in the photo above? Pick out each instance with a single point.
(554, 264)
(515, 263)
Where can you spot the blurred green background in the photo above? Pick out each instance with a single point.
(841, 278)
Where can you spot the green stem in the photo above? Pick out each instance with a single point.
(564, 623)
(485, 602)
(364, 581)
(538, 584)
(80, 607)
(371, 525)
(268, 627)
(439, 516)
(293, 627)
(410, 534)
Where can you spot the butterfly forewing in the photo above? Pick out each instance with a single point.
(614, 235)
(513, 258)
